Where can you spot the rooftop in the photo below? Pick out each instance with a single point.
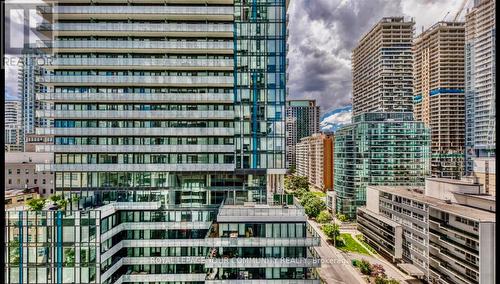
(456, 209)
(453, 181)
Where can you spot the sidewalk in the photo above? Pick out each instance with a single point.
(336, 267)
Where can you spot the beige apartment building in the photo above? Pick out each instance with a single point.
(442, 233)
(314, 156)
(382, 68)
(484, 171)
(438, 87)
(20, 172)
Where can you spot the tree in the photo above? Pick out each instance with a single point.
(331, 231)
(341, 217)
(299, 193)
(384, 280)
(306, 197)
(293, 183)
(36, 204)
(324, 217)
(313, 206)
(365, 267)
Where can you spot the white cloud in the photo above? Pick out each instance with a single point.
(339, 118)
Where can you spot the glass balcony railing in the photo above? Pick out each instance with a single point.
(136, 148)
(143, 62)
(139, 97)
(135, 44)
(173, 80)
(136, 27)
(199, 10)
(141, 114)
(167, 131)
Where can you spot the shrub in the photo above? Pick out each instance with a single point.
(378, 270)
(342, 217)
(324, 217)
(365, 267)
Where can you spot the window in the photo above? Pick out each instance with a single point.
(10, 181)
(10, 171)
(43, 181)
(18, 171)
(35, 181)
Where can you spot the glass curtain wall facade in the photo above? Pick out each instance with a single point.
(378, 149)
(162, 112)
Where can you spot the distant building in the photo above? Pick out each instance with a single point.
(378, 149)
(439, 94)
(32, 140)
(484, 170)
(302, 120)
(28, 89)
(20, 172)
(13, 126)
(441, 233)
(382, 68)
(315, 160)
(480, 77)
(18, 197)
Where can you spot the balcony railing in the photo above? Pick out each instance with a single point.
(137, 97)
(135, 44)
(136, 27)
(172, 131)
(139, 114)
(192, 167)
(148, 80)
(146, 63)
(135, 148)
(199, 10)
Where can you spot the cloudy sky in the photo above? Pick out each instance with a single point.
(322, 35)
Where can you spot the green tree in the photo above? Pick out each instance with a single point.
(306, 197)
(299, 193)
(331, 231)
(36, 204)
(61, 204)
(293, 183)
(324, 217)
(341, 217)
(314, 206)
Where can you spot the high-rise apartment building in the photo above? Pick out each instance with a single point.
(382, 68)
(443, 233)
(480, 81)
(13, 139)
(315, 160)
(169, 140)
(302, 120)
(438, 87)
(378, 149)
(28, 70)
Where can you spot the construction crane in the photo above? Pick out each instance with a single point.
(460, 10)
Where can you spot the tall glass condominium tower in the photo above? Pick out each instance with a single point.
(169, 146)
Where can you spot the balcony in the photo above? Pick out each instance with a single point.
(154, 226)
(141, 63)
(138, 97)
(180, 81)
(135, 167)
(136, 114)
(135, 148)
(136, 29)
(138, 46)
(138, 12)
(111, 208)
(261, 213)
(177, 131)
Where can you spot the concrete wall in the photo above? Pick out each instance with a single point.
(441, 189)
(372, 199)
(487, 259)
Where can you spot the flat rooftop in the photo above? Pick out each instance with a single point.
(454, 181)
(453, 208)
